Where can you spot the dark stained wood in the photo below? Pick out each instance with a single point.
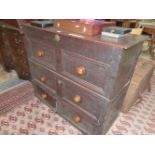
(86, 124)
(6, 51)
(39, 72)
(124, 43)
(88, 76)
(12, 48)
(89, 101)
(48, 53)
(93, 72)
(46, 96)
(16, 23)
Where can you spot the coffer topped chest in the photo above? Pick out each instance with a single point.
(82, 78)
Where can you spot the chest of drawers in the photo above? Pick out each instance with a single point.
(84, 79)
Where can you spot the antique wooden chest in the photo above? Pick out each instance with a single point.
(82, 78)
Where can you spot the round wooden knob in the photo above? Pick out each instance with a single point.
(77, 98)
(40, 53)
(58, 24)
(3, 26)
(44, 96)
(84, 29)
(57, 38)
(77, 119)
(42, 79)
(59, 82)
(80, 70)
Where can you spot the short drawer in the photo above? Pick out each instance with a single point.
(84, 99)
(40, 35)
(44, 53)
(90, 73)
(77, 118)
(46, 96)
(43, 75)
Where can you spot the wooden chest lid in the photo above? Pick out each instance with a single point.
(124, 43)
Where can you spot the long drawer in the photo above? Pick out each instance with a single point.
(80, 45)
(80, 69)
(84, 99)
(77, 118)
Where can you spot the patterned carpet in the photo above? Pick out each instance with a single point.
(140, 120)
(30, 116)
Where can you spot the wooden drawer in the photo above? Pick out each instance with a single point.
(80, 45)
(43, 75)
(77, 118)
(44, 53)
(80, 69)
(35, 33)
(84, 99)
(45, 95)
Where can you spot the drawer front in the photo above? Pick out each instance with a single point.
(46, 96)
(90, 49)
(91, 73)
(44, 53)
(43, 75)
(84, 99)
(34, 33)
(77, 118)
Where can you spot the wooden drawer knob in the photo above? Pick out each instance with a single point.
(59, 82)
(77, 98)
(44, 96)
(40, 53)
(77, 119)
(43, 79)
(80, 70)
(57, 38)
(84, 29)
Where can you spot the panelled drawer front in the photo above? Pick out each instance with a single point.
(39, 35)
(44, 53)
(78, 67)
(77, 118)
(90, 49)
(83, 98)
(47, 98)
(43, 75)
